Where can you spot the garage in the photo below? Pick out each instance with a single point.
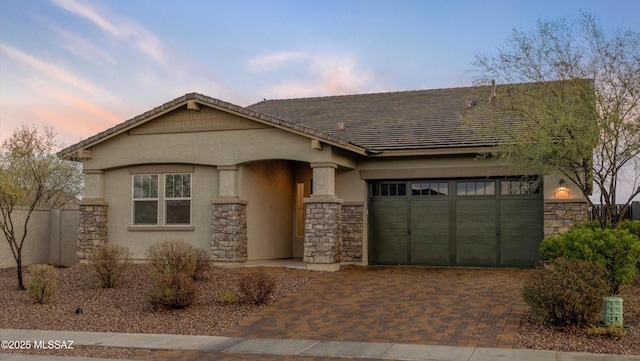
(460, 222)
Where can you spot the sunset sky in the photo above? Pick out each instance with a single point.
(83, 66)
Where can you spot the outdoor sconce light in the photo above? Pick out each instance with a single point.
(561, 192)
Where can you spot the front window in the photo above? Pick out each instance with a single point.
(145, 199)
(175, 200)
(177, 196)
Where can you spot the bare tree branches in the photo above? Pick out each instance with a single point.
(31, 177)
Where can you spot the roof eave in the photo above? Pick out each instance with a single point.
(428, 151)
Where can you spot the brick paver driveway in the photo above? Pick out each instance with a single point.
(444, 306)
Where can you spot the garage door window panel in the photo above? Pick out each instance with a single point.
(519, 187)
(476, 188)
(430, 189)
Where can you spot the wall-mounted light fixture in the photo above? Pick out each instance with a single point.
(562, 192)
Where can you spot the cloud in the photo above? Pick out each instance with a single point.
(121, 29)
(84, 49)
(299, 74)
(274, 60)
(52, 72)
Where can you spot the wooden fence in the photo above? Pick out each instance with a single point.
(628, 213)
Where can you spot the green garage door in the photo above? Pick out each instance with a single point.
(489, 222)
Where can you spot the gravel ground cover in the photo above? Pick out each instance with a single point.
(533, 335)
(124, 309)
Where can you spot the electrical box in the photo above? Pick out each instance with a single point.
(612, 308)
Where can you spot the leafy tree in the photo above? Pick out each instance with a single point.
(31, 177)
(572, 95)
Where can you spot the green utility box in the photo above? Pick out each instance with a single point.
(612, 311)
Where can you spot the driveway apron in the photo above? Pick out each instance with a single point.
(470, 307)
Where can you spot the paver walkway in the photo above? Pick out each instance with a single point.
(438, 306)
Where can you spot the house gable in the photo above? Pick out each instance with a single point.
(196, 118)
(218, 115)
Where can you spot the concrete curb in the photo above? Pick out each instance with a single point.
(290, 347)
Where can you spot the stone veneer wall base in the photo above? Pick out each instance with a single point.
(323, 234)
(92, 231)
(352, 218)
(229, 231)
(559, 216)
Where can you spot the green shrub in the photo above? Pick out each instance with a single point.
(588, 225)
(172, 256)
(109, 263)
(256, 287)
(172, 291)
(227, 296)
(618, 251)
(41, 284)
(632, 227)
(566, 292)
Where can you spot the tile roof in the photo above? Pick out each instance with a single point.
(406, 120)
(422, 119)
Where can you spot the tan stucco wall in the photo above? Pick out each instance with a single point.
(63, 236)
(269, 190)
(51, 238)
(118, 194)
(36, 246)
(208, 148)
(552, 184)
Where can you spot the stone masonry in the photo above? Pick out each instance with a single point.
(229, 232)
(322, 234)
(560, 216)
(93, 229)
(352, 217)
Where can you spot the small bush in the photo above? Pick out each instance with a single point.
(41, 285)
(172, 256)
(256, 287)
(109, 263)
(227, 296)
(611, 331)
(202, 263)
(174, 264)
(566, 292)
(632, 227)
(172, 291)
(617, 250)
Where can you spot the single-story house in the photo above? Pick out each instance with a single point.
(387, 178)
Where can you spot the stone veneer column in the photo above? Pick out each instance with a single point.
(229, 223)
(323, 233)
(322, 229)
(92, 231)
(352, 217)
(559, 216)
(229, 231)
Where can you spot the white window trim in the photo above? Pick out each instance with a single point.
(165, 199)
(161, 200)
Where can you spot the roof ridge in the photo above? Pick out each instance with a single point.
(365, 94)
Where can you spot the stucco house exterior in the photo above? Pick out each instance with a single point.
(386, 178)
